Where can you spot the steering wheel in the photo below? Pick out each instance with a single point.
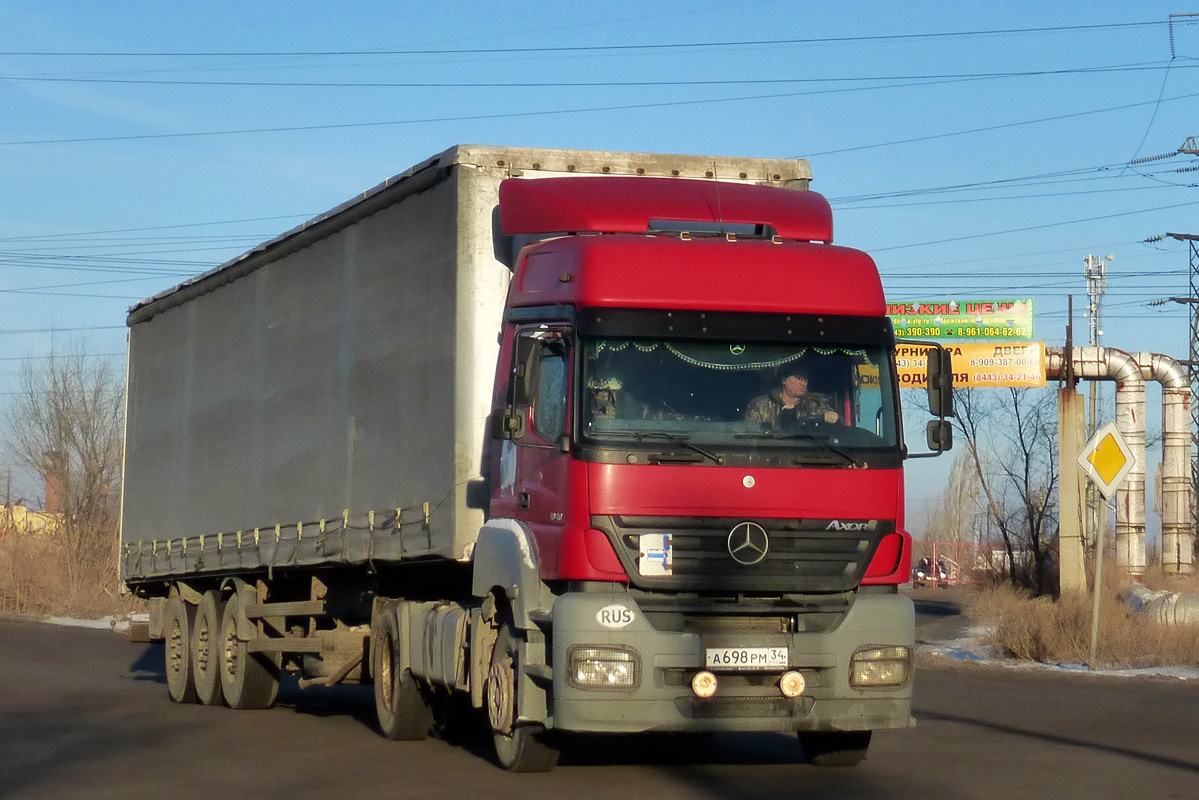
(808, 423)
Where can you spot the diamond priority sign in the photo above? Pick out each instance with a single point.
(1107, 459)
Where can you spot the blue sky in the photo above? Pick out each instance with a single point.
(108, 195)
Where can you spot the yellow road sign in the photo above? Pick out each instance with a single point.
(1106, 459)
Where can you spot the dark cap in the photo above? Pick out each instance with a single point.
(795, 370)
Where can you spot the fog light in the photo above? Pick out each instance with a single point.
(703, 684)
(880, 667)
(792, 684)
(603, 668)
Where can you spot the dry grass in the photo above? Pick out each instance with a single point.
(1171, 582)
(36, 581)
(1059, 631)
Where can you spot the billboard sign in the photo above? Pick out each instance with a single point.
(979, 365)
(963, 319)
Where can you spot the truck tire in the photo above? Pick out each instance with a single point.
(518, 748)
(180, 616)
(249, 680)
(834, 748)
(400, 703)
(206, 647)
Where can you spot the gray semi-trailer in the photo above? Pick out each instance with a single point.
(365, 452)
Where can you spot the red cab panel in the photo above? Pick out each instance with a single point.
(666, 490)
(666, 272)
(622, 204)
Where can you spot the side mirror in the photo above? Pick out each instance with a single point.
(939, 435)
(940, 382)
(524, 373)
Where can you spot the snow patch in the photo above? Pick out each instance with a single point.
(109, 623)
(970, 648)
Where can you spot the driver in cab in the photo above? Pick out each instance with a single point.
(790, 401)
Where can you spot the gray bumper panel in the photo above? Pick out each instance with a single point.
(663, 700)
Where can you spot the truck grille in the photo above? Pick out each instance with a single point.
(783, 555)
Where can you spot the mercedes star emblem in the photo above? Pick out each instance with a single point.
(748, 543)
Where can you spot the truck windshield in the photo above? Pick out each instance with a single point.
(738, 394)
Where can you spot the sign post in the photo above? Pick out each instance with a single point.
(1106, 459)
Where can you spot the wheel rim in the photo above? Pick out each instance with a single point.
(229, 660)
(386, 687)
(500, 695)
(177, 651)
(203, 635)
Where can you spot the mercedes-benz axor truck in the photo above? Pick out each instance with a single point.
(582, 441)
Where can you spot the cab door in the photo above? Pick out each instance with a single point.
(533, 455)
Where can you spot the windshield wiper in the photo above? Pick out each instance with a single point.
(677, 438)
(823, 439)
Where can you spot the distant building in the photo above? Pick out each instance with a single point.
(17, 519)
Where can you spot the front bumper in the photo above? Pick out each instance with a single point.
(663, 700)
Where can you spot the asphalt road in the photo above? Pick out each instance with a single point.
(84, 713)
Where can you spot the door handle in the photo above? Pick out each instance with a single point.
(522, 500)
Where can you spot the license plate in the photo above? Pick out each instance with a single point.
(746, 658)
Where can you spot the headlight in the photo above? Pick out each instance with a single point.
(880, 667)
(603, 668)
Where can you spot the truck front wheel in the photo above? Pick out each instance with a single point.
(834, 748)
(518, 748)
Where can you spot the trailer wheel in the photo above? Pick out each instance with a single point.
(180, 616)
(206, 647)
(518, 748)
(400, 703)
(248, 680)
(834, 748)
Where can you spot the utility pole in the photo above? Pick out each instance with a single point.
(1071, 561)
(1192, 362)
(1190, 148)
(1192, 303)
(1095, 271)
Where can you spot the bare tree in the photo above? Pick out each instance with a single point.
(948, 517)
(65, 426)
(1012, 441)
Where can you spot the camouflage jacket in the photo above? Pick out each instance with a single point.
(768, 407)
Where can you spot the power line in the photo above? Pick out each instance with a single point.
(1003, 126)
(18, 331)
(582, 110)
(41, 237)
(962, 76)
(1033, 227)
(125, 297)
(50, 356)
(976, 184)
(430, 120)
(622, 48)
(1039, 196)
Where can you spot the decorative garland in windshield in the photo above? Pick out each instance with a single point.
(616, 347)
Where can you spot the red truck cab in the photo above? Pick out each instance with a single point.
(608, 314)
(705, 522)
